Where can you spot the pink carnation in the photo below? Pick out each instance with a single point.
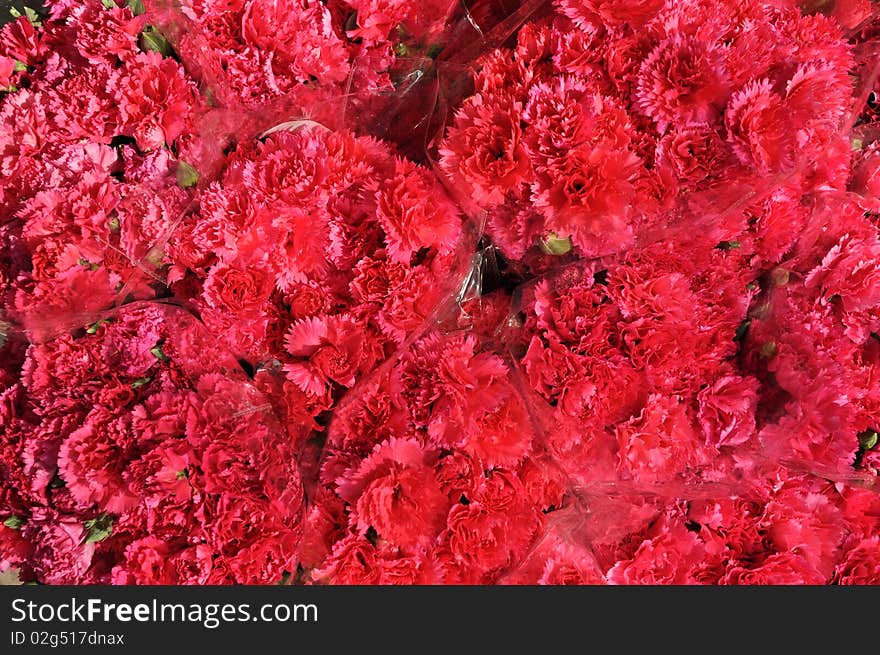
(331, 348)
(409, 222)
(587, 197)
(861, 565)
(727, 410)
(484, 148)
(155, 99)
(682, 81)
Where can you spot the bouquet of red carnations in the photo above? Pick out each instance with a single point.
(481, 292)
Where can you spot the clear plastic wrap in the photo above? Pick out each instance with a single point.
(487, 291)
(140, 452)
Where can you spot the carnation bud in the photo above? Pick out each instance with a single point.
(760, 311)
(93, 328)
(555, 245)
(155, 257)
(187, 175)
(868, 439)
(780, 277)
(15, 522)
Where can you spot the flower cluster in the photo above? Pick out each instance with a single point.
(139, 453)
(316, 252)
(607, 314)
(603, 113)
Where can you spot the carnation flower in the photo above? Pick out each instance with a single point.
(398, 569)
(242, 292)
(297, 37)
(612, 13)
(664, 559)
(302, 246)
(682, 81)
(353, 561)
(155, 99)
(568, 114)
(861, 565)
(777, 569)
(851, 272)
(409, 222)
(395, 491)
(146, 562)
(288, 166)
(376, 18)
(758, 127)
(727, 410)
(500, 437)
(694, 154)
(82, 106)
(60, 552)
(866, 181)
(92, 460)
(587, 197)
(106, 35)
(332, 348)
(660, 442)
(484, 148)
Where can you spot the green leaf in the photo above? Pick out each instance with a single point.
(187, 175)
(555, 245)
(14, 522)
(137, 384)
(33, 17)
(19, 67)
(98, 529)
(868, 439)
(153, 40)
(137, 7)
(109, 4)
(158, 353)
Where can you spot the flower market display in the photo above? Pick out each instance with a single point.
(440, 292)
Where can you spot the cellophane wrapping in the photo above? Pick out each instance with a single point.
(447, 292)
